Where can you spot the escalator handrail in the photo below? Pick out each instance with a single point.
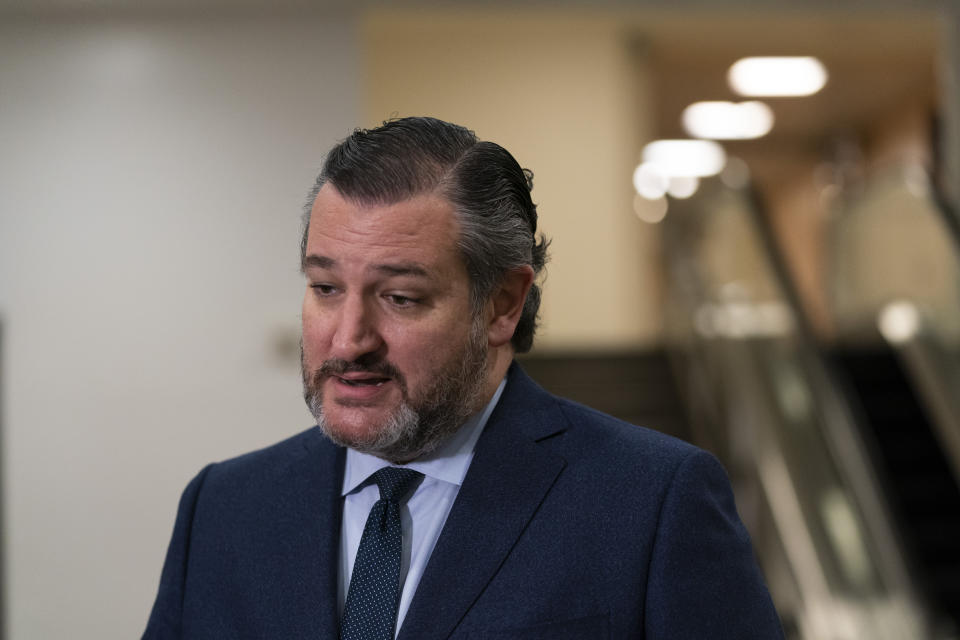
(843, 437)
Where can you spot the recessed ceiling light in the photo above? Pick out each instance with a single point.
(777, 76)
(689, 158)
(728, 120)
(648, 182)
(683, 187)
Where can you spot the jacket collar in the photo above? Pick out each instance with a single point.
(317, 533)
(510, 476)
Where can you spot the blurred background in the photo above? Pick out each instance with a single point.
(785, 292)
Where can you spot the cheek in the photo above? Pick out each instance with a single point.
(314, 335)
(423, 351)
(425, 339)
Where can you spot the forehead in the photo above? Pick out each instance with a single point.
(423, 227)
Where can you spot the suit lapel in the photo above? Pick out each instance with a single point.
(315, 530)
(508, 479)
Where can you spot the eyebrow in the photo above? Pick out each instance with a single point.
(390, 269)
(319, 262)
(401, 269)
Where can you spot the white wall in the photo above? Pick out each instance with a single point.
(151, 179)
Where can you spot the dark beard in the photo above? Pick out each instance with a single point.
(418, 426)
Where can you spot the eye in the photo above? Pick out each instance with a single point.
(401, 301)
(323, 289)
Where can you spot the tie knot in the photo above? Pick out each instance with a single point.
(394, 483)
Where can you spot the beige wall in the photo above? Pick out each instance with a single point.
(825, 246)
(560, 91)
(799, 214)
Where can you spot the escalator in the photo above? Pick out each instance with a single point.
(844, 449)
(902, 383)
(916, 474)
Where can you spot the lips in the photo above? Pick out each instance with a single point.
(360, 388)
(361, 381)
(358, 384)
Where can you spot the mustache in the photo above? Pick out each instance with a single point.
(337, 366)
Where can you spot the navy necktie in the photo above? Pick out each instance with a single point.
(370, 612)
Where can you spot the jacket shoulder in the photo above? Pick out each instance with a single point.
(539, 406)
(621, 448)
(272, 457)
(604, 426)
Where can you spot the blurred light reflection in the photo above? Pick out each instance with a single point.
(651, 211)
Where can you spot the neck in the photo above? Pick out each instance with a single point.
(498, 361)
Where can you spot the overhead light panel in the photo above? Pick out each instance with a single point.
(721, 120)
(777, 76)
(685, 158)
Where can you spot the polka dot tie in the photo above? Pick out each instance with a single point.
(370, 612)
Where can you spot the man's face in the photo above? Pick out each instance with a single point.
(394, 359)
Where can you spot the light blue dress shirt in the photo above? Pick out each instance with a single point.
(424, 513)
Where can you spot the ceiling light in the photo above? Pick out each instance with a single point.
(689, 158)
(728, 120)
(683, 187)
(777, 76)
(648, 182)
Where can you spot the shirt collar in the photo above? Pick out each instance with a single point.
(448, 463)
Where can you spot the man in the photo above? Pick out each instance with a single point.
(443, 494)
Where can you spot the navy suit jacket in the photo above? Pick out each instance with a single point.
(569, 524)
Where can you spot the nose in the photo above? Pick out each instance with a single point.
(356, 334)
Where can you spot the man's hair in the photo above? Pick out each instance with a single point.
(488, 189)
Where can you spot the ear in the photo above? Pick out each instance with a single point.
(506, 304)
